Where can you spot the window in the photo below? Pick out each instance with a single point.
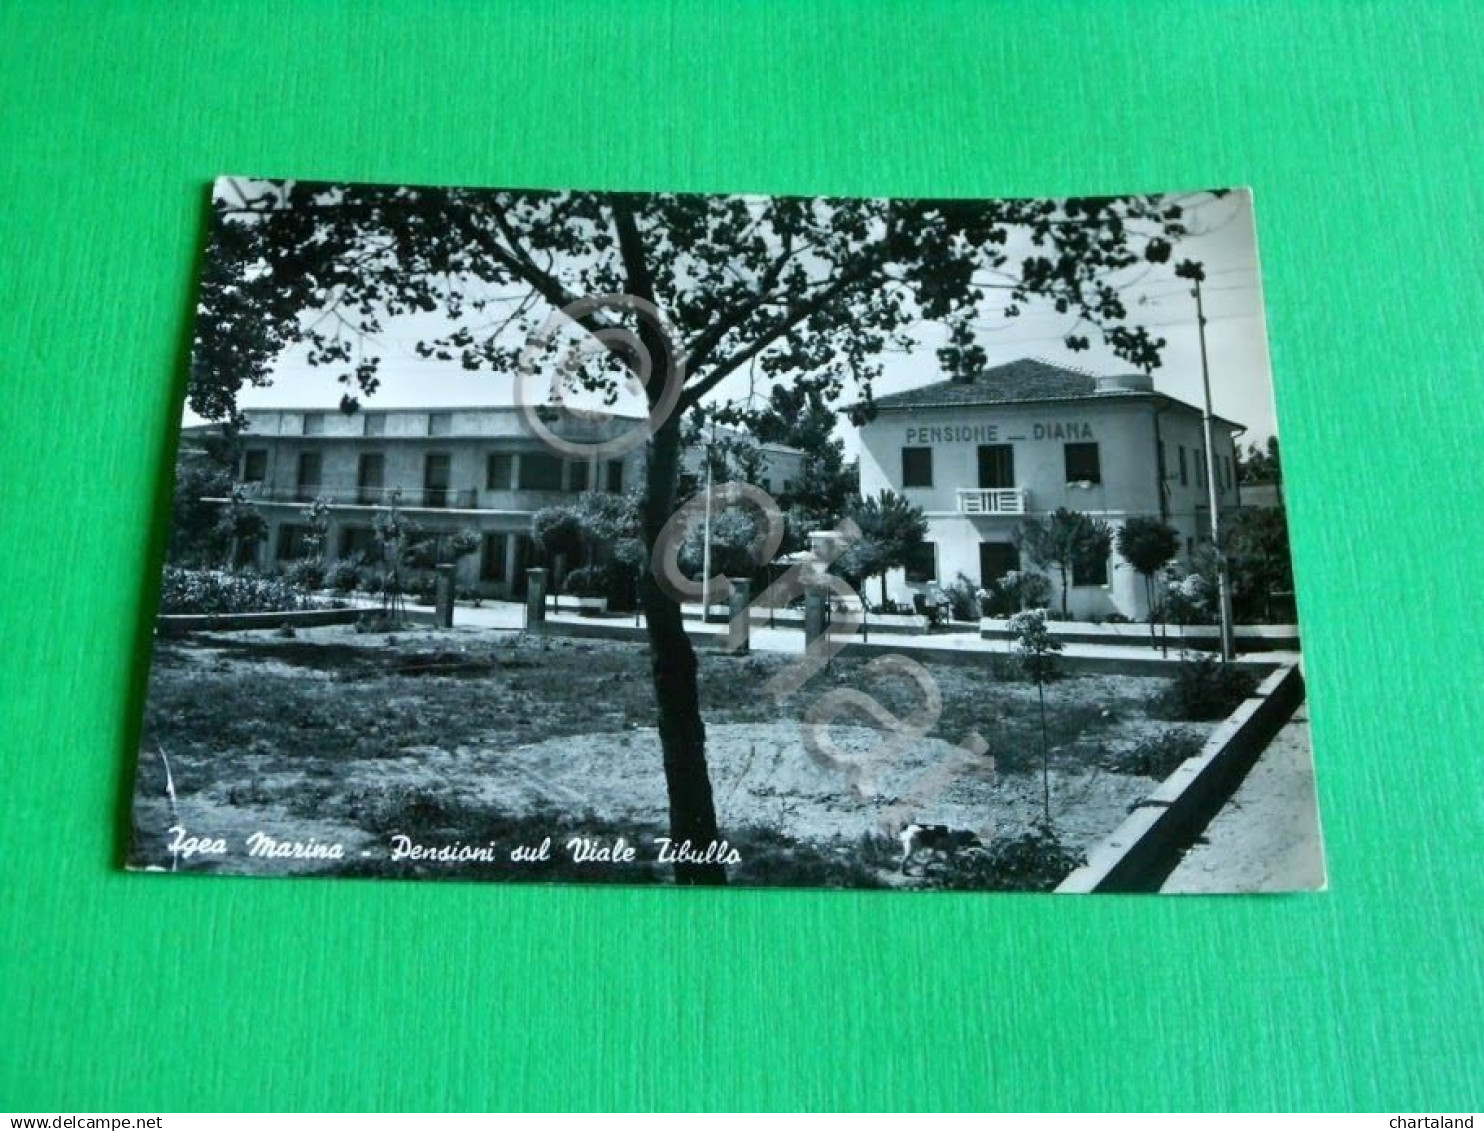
(370, 478)
(1090, 571)
(788, 485)
(577, 475)
(996, 465)
(375, 423)
(291, 538)
(358, 541)
(440, 423)
(995, 560)
(1200, 469)
(922, 562)
(1184, 477)
(615, 476)
(492, 558)
(435, 479)
(917, 467)
(540, 471)
(309, 475)
(254, 465)
(499, 471)
(1082, 463)
(314, 424)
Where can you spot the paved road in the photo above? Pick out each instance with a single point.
(1267, 837)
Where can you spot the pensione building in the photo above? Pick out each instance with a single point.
(982, 455)
(449, 470)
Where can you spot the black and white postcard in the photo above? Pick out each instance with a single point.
(567, 536)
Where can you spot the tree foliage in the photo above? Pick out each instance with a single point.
(1260, 465)
(1064, 540)
(890, 529)
(1148, 545)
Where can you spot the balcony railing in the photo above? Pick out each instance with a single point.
(991, 500)
(432, 498)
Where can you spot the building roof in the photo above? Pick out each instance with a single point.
(1026, 381)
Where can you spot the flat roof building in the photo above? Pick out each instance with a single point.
(451, 469)
(981, 455)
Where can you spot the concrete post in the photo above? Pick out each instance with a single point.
(443, 596)
(739, 628)
(536, 598)
(815, 614)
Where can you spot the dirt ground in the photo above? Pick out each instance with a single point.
(481, 736)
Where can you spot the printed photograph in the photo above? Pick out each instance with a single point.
(648, 538)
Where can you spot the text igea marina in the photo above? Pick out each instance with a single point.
(581, 850)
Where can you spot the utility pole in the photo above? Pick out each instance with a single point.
(1213, 495)
(706, 538)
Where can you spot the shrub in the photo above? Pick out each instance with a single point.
(1035, 860)
(344, 576)
(1157, 756)
(1017, 590)
(306, 574)
(423, 589)
(202, 592)
(1203, 689)
(963, 598)
(468, 594)
(1189, 600)
(589, 581)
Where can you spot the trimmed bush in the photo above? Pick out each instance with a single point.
(589, 581)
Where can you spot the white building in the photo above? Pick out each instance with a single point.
(451, 469)
(979, 456)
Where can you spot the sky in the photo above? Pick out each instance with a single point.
(1222, 237)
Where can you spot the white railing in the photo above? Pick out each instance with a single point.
(991, 500)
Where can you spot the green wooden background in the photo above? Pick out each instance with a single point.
(1358, 125)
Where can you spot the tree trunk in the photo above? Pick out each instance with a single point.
(673, 669)
(1149, 607)
(883, 590)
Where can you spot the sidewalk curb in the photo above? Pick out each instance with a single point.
(1146, 848)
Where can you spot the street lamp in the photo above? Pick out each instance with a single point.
(1213, 496)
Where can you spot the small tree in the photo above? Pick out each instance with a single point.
(1064, 540)
(1148, 545)
(396, 535)
(733, 534)
(1036, 649)
(241, 527)
(558, 532)
(891, 528)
